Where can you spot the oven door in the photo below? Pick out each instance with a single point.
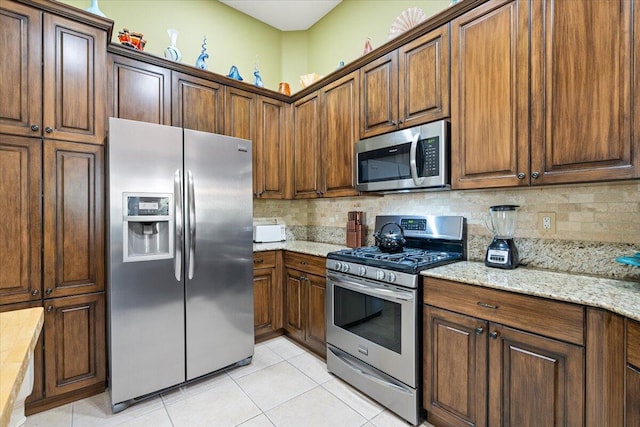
(375, 323)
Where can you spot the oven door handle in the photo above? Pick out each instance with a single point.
(412, 160)
(371, 290)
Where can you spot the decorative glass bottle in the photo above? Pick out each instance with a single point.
(172, 53)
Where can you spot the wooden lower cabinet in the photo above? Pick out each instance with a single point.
(304, 296)
(633, 375)
(267, 294)
(478, 372)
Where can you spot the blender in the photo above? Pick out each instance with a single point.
(502, 252)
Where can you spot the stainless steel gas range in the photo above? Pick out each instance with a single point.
(373, 308)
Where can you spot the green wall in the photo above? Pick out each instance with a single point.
(234, 38)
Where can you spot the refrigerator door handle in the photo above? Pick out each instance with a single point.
(179, 226)
(192, 224)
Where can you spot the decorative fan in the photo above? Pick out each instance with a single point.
(408, 19)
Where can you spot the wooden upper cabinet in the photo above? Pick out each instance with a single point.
(20, 69)
(197, 103)
(581, 91)
(75, 64)
(339, 135)
(73, 219)
(240, 113)
(270, 168)
(20, 235)
(307, 156)
(489, 96)
(424, 78)
(139, 91)
(406, 87)
(379, 96)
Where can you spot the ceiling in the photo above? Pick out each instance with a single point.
(285, 15)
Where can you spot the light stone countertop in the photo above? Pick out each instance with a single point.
(621, 297)
(19, 331)
(301, 246)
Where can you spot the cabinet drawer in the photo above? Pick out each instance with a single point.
(560, 320)
(307, 263)
(633, 343)
(264, 259)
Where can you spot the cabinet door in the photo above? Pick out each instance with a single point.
(316, 337)
(20, 69)
(455, 373)
(307, 157)
(489, 96)
(73, 219)
(270, 168)
(75, 81)
(264, 280)
(197, 103)
(379, 96)
(240, 117)
(74, 332)
(633, 397)
(139, 91)
(534, 381)
(340, 134)
(423, 68)
(295, 308)
(20, 233)
(581, 91)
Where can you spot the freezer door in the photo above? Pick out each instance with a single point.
(145, 301)
(219, 251)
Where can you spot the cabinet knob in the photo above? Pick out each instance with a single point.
(393, 122)
(493, 335)
(50, 308)
(521, 175)
(35, 128)
(48, 129)
(301, 278)
(303, 262)
(35, 292)
(535, 175)
(258, 261)
(48, 291)
(479, 331)
(400, 121)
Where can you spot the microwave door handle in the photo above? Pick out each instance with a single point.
(412, 160)
(179, 226)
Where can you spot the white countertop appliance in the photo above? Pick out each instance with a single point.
(265, 233)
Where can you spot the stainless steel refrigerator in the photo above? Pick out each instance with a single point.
(180, 278)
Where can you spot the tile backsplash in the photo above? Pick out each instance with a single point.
(594, 222)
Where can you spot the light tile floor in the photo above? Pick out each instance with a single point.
(284, 386)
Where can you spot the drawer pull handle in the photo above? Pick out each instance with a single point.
(258, 261)
(493, 335)
(485, 305)
(303, 262)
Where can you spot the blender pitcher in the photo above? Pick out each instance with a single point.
(502, 252)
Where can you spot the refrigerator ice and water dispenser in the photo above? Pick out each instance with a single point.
(148, 226)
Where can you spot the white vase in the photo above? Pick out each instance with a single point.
(94, 8)
(172, 53)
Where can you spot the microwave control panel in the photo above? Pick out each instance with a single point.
(431, 156)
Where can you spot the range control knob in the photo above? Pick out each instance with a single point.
(344, 268)
(392, 277)
(337, 266)
(380, 275)
(362, 270)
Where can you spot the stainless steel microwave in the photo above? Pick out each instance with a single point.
(409, 159)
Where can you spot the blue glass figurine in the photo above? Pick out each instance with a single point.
(258, 79)
(204, 55)
(234, 73)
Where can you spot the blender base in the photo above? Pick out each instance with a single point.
(502, 253)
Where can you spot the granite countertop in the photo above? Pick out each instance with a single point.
(19, 331)
(618, 296)
(301, 246)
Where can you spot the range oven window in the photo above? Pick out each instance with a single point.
(374, 319)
